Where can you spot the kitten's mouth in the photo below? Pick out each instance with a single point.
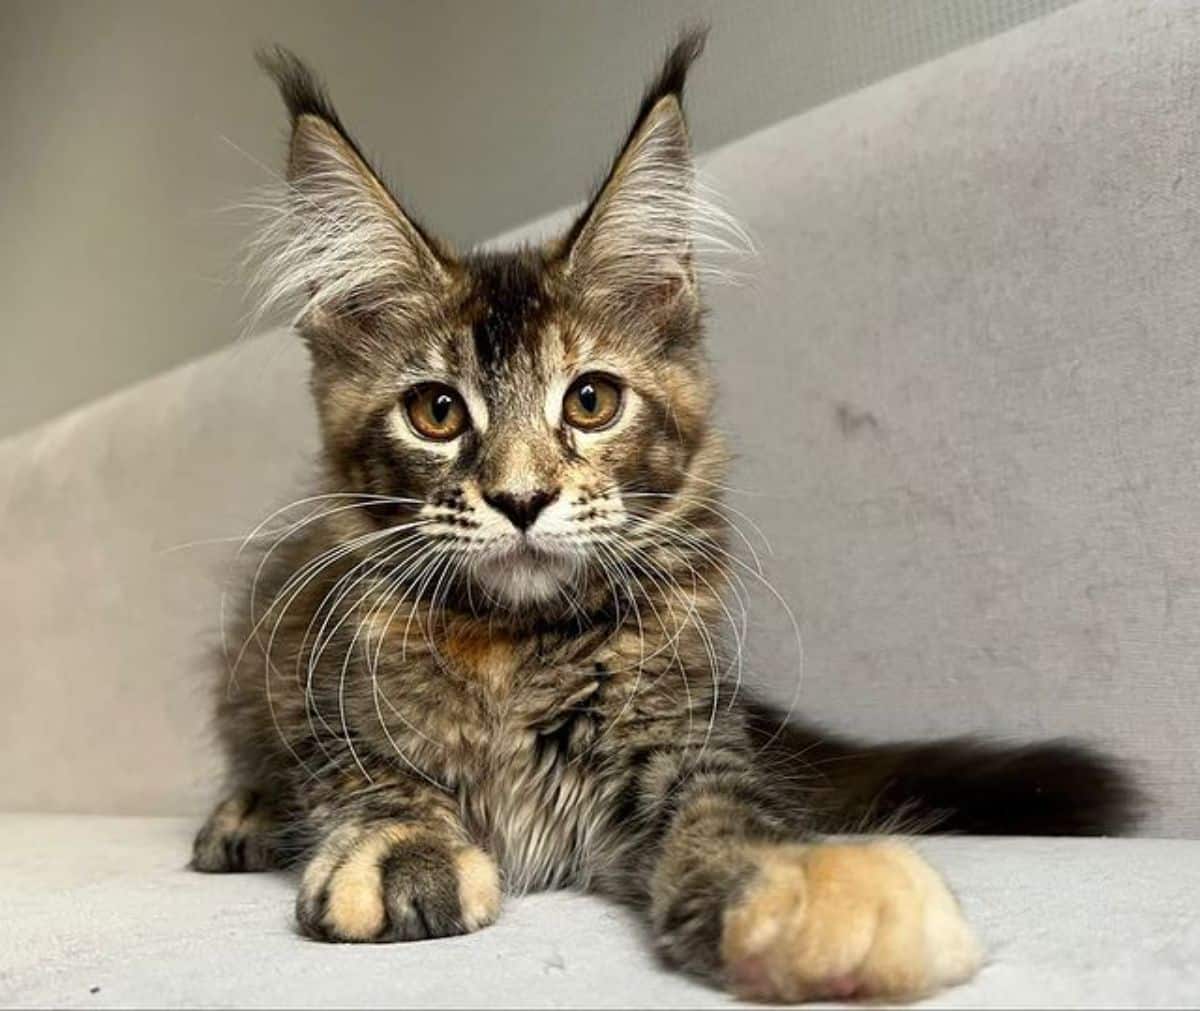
(527, 571)
(526, 557)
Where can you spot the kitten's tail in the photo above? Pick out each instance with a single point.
(960, 786)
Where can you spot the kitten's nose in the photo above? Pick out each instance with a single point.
(522, 510)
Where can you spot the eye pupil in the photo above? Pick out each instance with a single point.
(592, 403)
(436, 412)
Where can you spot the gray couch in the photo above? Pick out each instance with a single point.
(963, 380)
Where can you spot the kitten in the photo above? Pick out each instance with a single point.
(485, 662)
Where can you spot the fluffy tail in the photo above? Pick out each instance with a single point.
(961, 785)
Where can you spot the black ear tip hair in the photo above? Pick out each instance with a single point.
(301, 89)
(673, 75)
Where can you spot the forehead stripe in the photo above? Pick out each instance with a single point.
(509, 298)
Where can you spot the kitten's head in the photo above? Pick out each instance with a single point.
(531, 421)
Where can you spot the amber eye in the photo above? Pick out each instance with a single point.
(593, 402)
(436, 412)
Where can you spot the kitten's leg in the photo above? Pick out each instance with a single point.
(394, 863)
(238, 836)
(732, 898)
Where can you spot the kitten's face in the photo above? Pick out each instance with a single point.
(531, 441)
(527, 420)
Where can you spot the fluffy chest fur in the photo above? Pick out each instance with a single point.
(533, 730)
(533, 735)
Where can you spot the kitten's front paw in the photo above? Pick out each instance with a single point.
(236, 837)
(391, 881)
(836, 921)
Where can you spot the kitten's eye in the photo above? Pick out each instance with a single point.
(436, 412)
(592, 403)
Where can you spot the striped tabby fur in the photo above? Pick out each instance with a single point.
(490, 663)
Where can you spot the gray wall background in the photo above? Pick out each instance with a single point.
(131, 128)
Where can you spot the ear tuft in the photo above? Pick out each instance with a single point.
(673, 75)
(302, 93)
(634, 248)
(336, 242)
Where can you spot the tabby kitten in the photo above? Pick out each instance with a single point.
(485, 662)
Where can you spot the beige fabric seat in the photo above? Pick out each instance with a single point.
(105, 904)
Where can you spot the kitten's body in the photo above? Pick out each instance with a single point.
(492, 657)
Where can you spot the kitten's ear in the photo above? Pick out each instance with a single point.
(633, 245)
(340, 243)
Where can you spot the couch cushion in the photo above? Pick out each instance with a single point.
(962, 383)
(101, 912)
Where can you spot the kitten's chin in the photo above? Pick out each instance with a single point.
(523, 578)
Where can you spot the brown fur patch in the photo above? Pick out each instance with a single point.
(489, 654)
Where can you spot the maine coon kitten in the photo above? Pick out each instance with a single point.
(485, 662)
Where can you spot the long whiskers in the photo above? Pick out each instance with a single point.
(296, 582)
(730, 562)
(360, 502)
